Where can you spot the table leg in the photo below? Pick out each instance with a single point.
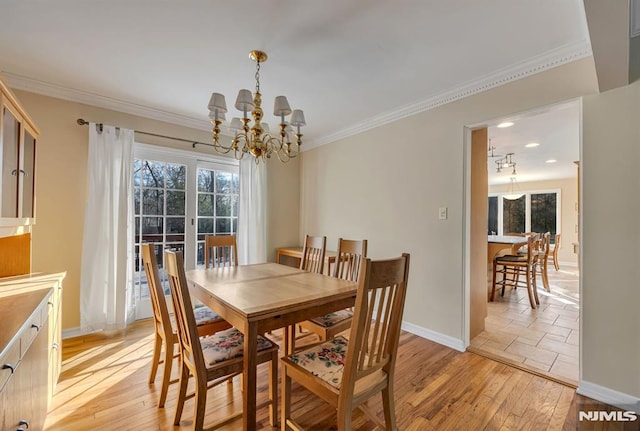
(249, 380)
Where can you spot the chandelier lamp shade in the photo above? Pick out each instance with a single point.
(256, 139)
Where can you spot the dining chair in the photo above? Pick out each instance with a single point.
(212, 359)
(166, 336)
(349, 258)
(220, 250)
(553, 252)
(348, 372)
(313, 252)
(312, 260)
(544, 244)
(511, 266)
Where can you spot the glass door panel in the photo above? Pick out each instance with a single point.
(27, 174)
(9, 164)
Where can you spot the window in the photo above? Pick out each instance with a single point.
(217, 205)
(178, 198)
(532, 212)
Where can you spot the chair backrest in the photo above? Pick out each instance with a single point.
(349, 258)
(183, 310)
(544, 244)
(220, 250)
(313, 253)
(556, 242)
(375, 331)
(158, 301)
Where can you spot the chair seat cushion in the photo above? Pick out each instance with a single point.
(227, 344)
(328, 320)
(325, 360)
(512, 258)
(204, 315)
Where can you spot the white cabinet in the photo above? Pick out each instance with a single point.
(18, 137)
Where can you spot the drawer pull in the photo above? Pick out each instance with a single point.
(36, 326)
(9, 366)
(23, 422)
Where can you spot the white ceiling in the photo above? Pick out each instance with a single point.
(349, 64)
(557, 131)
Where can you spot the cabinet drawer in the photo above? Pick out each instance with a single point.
(9, 362)
(31, 329)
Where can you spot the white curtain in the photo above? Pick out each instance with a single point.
(106, 297)
(252, 226)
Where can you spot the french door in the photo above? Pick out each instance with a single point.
(178, 198)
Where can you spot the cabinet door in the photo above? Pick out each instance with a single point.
(10, 172)
(27, 174)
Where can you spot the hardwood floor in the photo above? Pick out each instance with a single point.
(544, 340)
(104, 386)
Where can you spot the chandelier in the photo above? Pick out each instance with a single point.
(506, 162)
(257, 139)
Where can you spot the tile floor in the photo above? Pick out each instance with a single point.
(544, 340)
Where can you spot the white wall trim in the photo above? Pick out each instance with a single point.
(559, 56)
(24, 83)
(445, 340)
(73, 332)
(609, 396)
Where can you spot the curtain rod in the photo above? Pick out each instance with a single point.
(82, 122)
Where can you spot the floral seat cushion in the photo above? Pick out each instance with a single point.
(328, 320)
(227, 344)
(204, 315)
(325, 360)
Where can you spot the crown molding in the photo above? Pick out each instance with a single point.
(557, 57)
(549, 60)
(24, 83)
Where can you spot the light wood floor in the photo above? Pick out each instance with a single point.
(543, 340)
(104, 386)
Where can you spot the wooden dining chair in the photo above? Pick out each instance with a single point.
(346, 373)
(213, 359)
(553, 252)
(313, 252)
(544, 245)
(166, 336)
(220, 250)
(312, 260)
(349, 258)
(511, 266)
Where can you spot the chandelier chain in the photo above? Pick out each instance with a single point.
(257, 77)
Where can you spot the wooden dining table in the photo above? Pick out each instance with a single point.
(262, 297)
(495, 243)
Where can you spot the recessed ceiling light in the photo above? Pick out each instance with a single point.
(505, 124)
(532, 144)
(550, 161)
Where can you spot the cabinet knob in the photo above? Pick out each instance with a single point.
(55, 346)
(9, 366)
(14, 172)
(35, 326)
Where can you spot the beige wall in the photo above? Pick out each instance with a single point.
(611, 239)
(568, 215)
(387, 184)
(61, 186)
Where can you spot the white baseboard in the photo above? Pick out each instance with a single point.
(609, 396)
(445, 340)
(72, 332)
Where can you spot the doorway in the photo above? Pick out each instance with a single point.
(531, 186)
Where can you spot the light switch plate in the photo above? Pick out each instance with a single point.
(442, 213)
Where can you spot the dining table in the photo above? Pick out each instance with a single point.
(263, 297)
(495, 243)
